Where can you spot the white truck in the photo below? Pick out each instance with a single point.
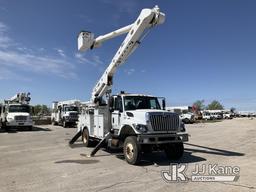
(65, 113)
(16, 112)
(185, 112)
(137, 123)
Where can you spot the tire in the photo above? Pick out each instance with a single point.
(64, 124)
(4, 127)
(174, 151)
(132, 150)
(186, 121)
(86, 138)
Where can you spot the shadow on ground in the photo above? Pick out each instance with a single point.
(16, 130)
(79, 161)
(159, 159)
(210, 150)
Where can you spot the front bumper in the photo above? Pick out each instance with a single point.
(71, 120)
(20, 123)
(162, 138)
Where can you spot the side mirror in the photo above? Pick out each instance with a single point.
(111, 104)
(163, 104)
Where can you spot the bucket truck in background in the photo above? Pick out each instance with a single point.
(16, 112)
(65, 113)
(137, 123)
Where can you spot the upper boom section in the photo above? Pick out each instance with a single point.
(20, 98)
(148, 18)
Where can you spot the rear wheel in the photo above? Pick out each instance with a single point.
(174, 151)
(132, 150)
(86, 137)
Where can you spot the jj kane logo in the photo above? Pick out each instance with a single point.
(201, 173)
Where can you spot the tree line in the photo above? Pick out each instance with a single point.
(214, 105)
(43, 110)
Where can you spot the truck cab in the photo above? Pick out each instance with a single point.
(65, 113)
(135, 121)
(16, 115)
(70, 114)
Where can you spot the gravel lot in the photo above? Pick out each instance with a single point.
(42, 160)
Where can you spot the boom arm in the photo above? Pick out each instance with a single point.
(22, 98)
(147, 18)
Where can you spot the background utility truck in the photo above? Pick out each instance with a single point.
(15, 112)
(65, 113)
(137, 123)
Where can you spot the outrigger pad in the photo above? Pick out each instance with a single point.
(77, 135)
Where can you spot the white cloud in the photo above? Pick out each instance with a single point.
(129, 71)
(6, 74)
(14, 57)
(61, 52)
(93, 60)
(5, 41)
(35, 63)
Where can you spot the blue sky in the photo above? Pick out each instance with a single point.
(204, 50)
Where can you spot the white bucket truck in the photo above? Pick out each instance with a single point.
(65, 113)
(137, 123)
(16, 112)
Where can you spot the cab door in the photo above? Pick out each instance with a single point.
(117, 112)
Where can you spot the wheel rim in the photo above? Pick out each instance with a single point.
(84, 137)
(129, 151)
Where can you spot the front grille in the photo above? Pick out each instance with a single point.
(73, 116)
(163, 121)
(20, 118)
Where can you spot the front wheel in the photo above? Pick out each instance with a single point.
(174, 151)
(86, 137)
(64, 124)
(132, 150)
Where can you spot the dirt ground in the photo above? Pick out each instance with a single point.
(42, 160)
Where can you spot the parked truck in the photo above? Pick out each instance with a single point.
(138, 123)
(16, 112)
(185, 112)
(65, 113)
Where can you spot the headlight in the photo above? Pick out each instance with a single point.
(141, 128)
(66, 117)
(10, 118)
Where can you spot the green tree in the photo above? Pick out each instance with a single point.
(199, 105)
(41, 110)
(215, 105)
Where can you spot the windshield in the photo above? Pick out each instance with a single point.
(141, 102)
(19, 108)
(71, 108)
